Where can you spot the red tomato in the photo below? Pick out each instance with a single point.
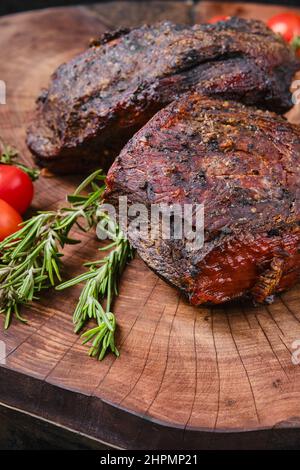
(9, 220)
(285, 24)
(16, 188)
(217, 18)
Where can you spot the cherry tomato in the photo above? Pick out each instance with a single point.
(16, 188)
(285, 24)
(9, 220)
(217, 18)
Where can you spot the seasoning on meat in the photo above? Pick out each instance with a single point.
(98, 100)
(243, 165)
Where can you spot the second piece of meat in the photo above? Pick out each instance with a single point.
(98, 100)
(243, 166)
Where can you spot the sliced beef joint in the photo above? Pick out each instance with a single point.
(243, 165)
(98, 100)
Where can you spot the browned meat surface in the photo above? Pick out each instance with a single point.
(243, 164)
(98, 100)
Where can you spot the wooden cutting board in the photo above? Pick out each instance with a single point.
(187, 378)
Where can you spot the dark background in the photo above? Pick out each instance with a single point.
(12, 6)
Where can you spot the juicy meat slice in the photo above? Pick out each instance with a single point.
(243, 165)
(98, 100)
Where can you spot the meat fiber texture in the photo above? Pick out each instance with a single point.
(98, 100)
(243, 165)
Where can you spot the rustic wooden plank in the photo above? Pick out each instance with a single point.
(20, 430)
(183, 372)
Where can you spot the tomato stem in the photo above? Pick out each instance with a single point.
(9, 155)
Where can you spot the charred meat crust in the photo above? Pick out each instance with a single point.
(243, 164)
(98, 100)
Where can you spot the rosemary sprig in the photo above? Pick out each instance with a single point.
(9, 156)
(101, 282)
(30, 258)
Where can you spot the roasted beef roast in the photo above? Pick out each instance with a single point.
(98, 100)
(243, 165)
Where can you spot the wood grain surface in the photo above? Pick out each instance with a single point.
(187, 378)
